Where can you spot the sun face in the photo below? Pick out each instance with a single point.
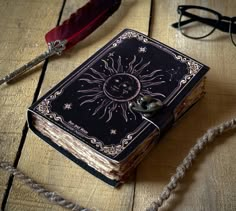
(115, 85)
(122, 87)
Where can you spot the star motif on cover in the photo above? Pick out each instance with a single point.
(113, 132)
(67, 106)
(142, 49)
(111, 54)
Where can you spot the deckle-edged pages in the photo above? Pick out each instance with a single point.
(87, 118)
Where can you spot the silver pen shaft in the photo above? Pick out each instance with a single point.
(55, 47)
(24, 68)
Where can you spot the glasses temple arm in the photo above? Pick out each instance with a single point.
(182, 23)
(222, 25)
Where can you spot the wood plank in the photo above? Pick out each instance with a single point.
(22, 26)
(210, 184)
(45, 164)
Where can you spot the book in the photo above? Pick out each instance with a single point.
(87, 116)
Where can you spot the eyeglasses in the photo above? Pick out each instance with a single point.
(199, 22)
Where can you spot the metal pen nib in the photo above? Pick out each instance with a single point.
(55, 47)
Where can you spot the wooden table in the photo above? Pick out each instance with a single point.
(210, 184)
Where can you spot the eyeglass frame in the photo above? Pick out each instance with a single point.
(217, 24)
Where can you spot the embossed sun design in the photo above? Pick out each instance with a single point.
(115, 85)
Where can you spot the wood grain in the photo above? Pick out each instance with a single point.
(208, 186)
(45, 164)
(22, 27)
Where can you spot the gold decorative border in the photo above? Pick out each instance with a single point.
(45, 107)
(129, 35)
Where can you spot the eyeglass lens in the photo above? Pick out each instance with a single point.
(198, 27)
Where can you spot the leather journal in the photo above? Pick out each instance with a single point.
(87, 116)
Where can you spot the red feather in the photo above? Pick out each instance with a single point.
(83, 22)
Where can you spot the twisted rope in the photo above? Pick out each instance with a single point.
(208, 137)
(51, 196)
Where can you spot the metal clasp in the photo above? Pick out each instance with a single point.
(146, 105)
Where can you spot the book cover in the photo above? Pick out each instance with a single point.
(87, 115)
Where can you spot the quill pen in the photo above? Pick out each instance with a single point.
(80, 24)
